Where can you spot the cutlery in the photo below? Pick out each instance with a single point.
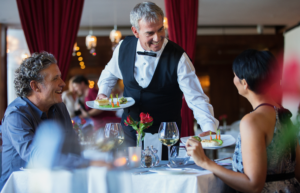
(216, 160)
(138, 173)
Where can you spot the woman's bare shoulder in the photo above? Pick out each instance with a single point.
(253, 122)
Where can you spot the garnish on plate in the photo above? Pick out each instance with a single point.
(197, 138)
(112, 101)
(118, 100)
(106, 104)
(218, 140)
(123, 100)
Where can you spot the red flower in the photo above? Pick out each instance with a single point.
(142, 117)
(145, 122)
(145, 118)
(223, 117)
(129, 121)
(83, 121)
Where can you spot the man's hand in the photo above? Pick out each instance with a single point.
(101, 96)
(206, 133)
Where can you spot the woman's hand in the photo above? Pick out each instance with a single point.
(194, 149)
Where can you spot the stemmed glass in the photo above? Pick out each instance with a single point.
(168, 135)
(115, 132)
(108, 138)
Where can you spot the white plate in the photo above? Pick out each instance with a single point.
(130, 102)
(169, 171)
(227, 141)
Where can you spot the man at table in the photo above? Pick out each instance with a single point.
(39, 86)
(156, 72)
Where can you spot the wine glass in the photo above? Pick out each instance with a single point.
(114, 131)
(108, 138)
(168, 135)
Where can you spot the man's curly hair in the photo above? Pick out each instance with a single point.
(30, 70)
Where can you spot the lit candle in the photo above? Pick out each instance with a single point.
(134, 156)
(119, 162)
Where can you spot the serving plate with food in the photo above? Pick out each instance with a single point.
(213, 141)
(111, 104)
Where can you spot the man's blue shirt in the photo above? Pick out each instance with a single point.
(21, 119)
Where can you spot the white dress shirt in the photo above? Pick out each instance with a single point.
(143, 72)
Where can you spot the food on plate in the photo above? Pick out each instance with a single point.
(123, 100)
(112, 101)
(209, 143)
(219, 141)
(197, 138)
(102, 102)
(118, 104)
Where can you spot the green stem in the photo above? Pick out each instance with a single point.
(138, 140)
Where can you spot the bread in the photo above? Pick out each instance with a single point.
(102, 102)
(209, 143)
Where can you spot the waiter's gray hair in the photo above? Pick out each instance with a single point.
(30, 70)
(148, 11)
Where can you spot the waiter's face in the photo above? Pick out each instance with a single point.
(151, 34)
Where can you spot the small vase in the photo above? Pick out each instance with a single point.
(139, 140)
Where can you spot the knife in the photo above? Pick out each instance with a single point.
(216, 160)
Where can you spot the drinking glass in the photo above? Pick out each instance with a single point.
(114, 131)
(168, 135)
(178, 159)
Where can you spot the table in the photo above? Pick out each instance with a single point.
(94, 179)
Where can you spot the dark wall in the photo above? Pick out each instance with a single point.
(214, 56)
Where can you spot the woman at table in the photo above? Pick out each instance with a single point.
(261, 161)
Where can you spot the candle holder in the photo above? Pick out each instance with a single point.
(134, 155)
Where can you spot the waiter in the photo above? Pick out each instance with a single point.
(155, 72)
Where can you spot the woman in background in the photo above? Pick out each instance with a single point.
(71, 100)
(267, 153)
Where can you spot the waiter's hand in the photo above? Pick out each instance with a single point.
(101, 96)
(206, 133)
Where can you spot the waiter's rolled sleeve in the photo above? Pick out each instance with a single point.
(209, 127)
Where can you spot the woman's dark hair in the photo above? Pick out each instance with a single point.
(79, 79)
(258, 68)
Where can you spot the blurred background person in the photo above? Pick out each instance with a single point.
(99, 117)
(267, 152)
(71, 100)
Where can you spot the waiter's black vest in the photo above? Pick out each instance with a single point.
(162, 99)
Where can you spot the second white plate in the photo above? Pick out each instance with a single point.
(228, 140)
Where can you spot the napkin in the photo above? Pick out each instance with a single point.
(152, 139)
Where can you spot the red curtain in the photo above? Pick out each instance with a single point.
(52, 26)
(182, 20)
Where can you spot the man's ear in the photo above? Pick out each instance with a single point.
(135, 32)
(35, 86)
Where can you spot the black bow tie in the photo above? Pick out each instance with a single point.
(147, 53)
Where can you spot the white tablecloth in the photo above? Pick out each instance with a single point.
(95, 179)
